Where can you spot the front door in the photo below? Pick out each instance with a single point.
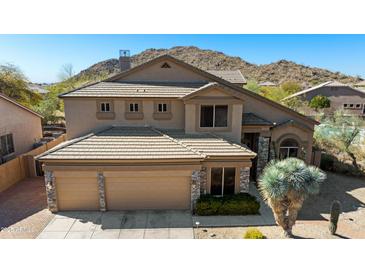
(251, 140)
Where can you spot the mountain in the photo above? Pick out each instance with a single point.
(278, 72)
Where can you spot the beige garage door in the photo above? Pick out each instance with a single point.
(147, 190)
(77, 190)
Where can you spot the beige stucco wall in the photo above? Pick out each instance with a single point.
(340, 96)
(215, 96)
(81, 117)
(155, 73)
(271, 113)
(25, 126)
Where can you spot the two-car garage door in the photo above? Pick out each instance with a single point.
(124, 190)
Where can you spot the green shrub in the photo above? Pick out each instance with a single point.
(254, 233)
(238, 204)
(319, 102)
(327, 162)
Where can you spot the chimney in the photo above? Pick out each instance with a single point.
(124, 60)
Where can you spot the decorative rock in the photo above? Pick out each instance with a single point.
(51, 191)
(101, 188)
(244, 179)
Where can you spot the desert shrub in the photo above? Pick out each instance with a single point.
(238, 204)
(319, 102)
(254, 233)
(327, 162)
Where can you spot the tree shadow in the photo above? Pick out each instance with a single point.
(336, 187)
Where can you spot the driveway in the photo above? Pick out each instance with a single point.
(23, 210)
(169, 224)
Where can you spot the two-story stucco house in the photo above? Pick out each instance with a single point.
(20, 128)
(159, 135)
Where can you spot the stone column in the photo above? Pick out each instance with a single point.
(244, 179)
(262, 154)
(203, 181)
(272, 155)
(101, 187)
(51, 191)
(198, 182)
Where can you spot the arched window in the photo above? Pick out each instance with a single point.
(288, 148)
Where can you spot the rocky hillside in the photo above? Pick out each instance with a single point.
(280, 71)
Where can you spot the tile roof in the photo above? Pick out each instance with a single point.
(140, 89)
(233, 76)
(252, 119)
(326, 84)
(143, 143)
(209, 144)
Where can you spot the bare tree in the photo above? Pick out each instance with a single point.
(67, 71)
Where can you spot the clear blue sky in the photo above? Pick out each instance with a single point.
(42, 56)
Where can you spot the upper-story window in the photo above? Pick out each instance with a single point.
(162, 107)
(133, 107)
(7, 145)
(105, 107)
(213, 116)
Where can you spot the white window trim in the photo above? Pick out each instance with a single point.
(162, 107)
(133, 107)
(213, 115)
(105, 103)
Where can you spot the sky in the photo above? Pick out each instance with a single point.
(41, 57)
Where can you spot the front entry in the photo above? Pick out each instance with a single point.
(252, 141)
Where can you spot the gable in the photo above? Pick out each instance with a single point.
(8, 100)
(162, 71)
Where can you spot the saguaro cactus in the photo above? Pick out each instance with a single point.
(335, 213)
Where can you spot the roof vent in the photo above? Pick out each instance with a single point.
(124, 59)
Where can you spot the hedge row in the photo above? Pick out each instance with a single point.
(238, 204)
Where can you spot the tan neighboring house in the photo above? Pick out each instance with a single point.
(342, 96)
(161, 134)
(20, 128)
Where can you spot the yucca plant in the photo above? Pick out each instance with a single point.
(285, 184)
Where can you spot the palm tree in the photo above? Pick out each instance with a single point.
(285, 184)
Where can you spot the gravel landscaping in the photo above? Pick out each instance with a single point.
(313, 218)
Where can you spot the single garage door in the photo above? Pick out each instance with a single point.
(147, 190)
(77, 190)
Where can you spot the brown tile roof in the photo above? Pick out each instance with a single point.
(209, 144)
(144, 143)
(253, 119)
(141, 89)
(233, 76)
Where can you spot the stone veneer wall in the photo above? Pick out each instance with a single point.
(101, 188)
(244, 179)
(198, 185)
(262, 154)
(51, 191)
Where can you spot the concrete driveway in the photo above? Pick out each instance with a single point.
(169, 224)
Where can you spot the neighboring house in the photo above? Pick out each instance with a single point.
(360, 84)
(159, 135)
(20, 128)
(342, 96)
(38, 88)
(267, 84)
